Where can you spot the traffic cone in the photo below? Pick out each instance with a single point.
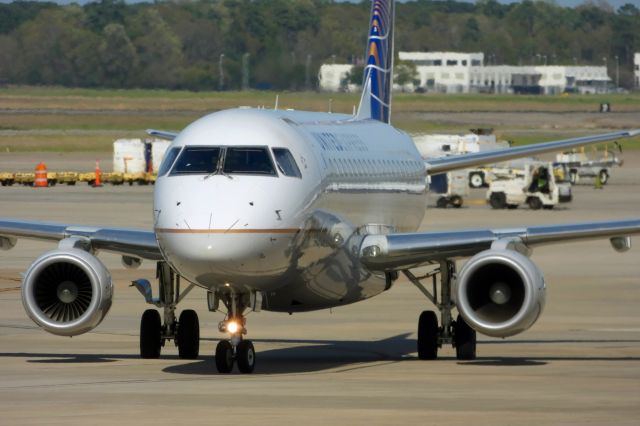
(41, 176)
(98, 181)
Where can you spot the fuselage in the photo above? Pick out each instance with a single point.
(285, 206)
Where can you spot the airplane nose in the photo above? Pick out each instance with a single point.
(224, 228)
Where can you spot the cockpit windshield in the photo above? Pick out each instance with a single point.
(168, 160)
(235, 160)
(197, 160)
(286, 163)
(248, 160)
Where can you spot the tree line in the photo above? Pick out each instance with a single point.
(280, 44)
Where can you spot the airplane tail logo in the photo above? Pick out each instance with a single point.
(375, 102)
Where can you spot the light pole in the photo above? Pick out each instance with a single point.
(606, 70)
(307, 71)
(245, 72)
(220, 73)
(617, 73)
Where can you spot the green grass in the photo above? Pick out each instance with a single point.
(67, 119)
(58, 143)
(135, 99)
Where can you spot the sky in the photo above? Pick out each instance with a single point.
(568, 3)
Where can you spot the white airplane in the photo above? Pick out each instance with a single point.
(296, 211)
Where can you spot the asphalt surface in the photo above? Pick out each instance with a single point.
(580, 363)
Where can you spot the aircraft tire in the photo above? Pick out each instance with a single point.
(465, 340)
(150, 334)
(534, 203)
(456, 201)
(224, 357)
(498, 200)
(604, 177)
(188, 335)
(428, 335)
(246, 357)
(442, 203)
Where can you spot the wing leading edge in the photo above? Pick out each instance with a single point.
(131, 242)
(162, 134)
(455, 162)
(405, 251)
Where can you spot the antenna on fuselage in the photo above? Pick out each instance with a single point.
(275, 107)
(354, 111)
(330, 105)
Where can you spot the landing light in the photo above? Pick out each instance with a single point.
(233, 327)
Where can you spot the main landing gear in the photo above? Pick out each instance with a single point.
(156, 331)
(431, 337)
(236, 349)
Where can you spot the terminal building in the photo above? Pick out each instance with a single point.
(454, 72)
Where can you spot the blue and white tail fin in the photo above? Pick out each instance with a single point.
(375, 102)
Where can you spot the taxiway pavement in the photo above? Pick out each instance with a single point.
(580, 363)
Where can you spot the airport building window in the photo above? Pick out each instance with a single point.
(286, 163)
(197, 160)
(168, 160)
(248, 160)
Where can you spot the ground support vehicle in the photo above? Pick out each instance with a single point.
(525, 187)
(451, 188)
(69, 178)
(7, 179)
(580, 166)
(25, 178)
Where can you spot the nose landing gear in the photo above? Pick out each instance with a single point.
(236, 349)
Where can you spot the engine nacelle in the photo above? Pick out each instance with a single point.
(67, 292)
(500, 293)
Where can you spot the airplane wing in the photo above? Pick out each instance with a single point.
(404, 251)
(162, 134)
(129, 242)
(446, 164)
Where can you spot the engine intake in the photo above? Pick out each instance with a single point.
(67, 292)
(500, 293)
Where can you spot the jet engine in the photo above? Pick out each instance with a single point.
(500, 293)
(67, 292)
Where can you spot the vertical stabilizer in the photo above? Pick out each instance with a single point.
(375, 102)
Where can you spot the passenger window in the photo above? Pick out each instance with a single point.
(246, 160)
(286, 163)
(197, 160)
(168, 160)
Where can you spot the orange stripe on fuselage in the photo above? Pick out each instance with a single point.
(226, 231)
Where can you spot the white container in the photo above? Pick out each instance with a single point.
(158, 149)
(128, 156)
